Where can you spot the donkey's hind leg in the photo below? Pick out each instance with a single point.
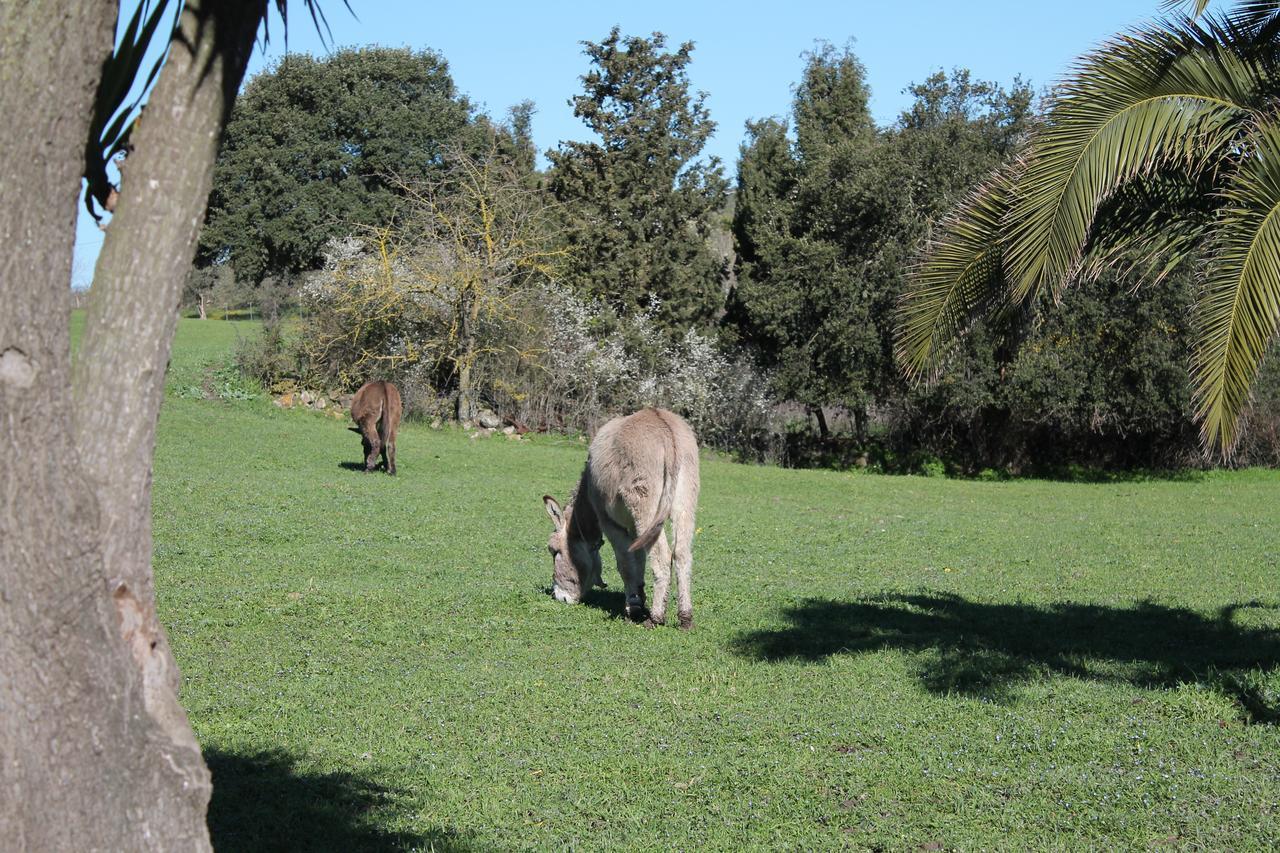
(388, 448)
(683, 524)
(660, 560)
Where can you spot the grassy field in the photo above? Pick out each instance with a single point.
(878, 663)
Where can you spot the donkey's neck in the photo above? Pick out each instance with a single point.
(583, 523)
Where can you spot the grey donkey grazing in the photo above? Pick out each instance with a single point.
(641, 470)
(376, 410)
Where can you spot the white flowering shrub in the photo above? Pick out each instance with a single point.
(554, 360)
(726, 401)
(593, 366)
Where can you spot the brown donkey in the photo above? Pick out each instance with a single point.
(376, 411)
(641, 470)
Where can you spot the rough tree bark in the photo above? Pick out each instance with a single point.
(95, 751)
(467, 409)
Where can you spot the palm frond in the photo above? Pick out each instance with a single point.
(1149, 100)
(1151, 225)
(1239, 310)
(958, 277)
(123, 87)
(318, 20)
(1252, 11)
(114, 112)
(1196, 6)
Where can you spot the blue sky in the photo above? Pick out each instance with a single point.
(747, 55)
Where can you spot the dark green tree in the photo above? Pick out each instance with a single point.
(830, 105)
(517, 144)
(638, 207)
(317, 146)
(796, 300)
(1163, 144)
(1098, 380)
(825, 224)
(790, 294)
(955, 132)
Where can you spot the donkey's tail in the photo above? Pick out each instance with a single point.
(670, 474)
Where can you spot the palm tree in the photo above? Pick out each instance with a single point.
(1162, 145)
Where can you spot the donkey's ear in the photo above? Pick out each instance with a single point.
(553, 510)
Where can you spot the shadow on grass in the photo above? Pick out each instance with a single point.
(262, 801)
(982, 648)
(380, 468)
(611, 601)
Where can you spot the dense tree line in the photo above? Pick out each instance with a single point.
(826, 220)
(826, 224)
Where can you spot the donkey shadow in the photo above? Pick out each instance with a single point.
(607, 600)
(985, 648)
(611, 601)
(359, 466)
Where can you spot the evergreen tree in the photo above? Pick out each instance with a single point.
(637, 205)
(796, 300)
(825, 224)
(517, 144)
(830, 105)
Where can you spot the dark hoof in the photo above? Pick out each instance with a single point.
(686, 621)
(637, 614)
(392, 472)
(652, 623)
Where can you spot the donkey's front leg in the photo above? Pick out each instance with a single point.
(631, 568)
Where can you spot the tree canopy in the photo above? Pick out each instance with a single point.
(825, 223)
(316, 147)
(638, 206)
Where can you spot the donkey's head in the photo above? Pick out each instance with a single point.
(576, 557)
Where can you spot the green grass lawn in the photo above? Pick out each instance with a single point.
(878, 663)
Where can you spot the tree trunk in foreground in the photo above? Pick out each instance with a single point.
(95, 751)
